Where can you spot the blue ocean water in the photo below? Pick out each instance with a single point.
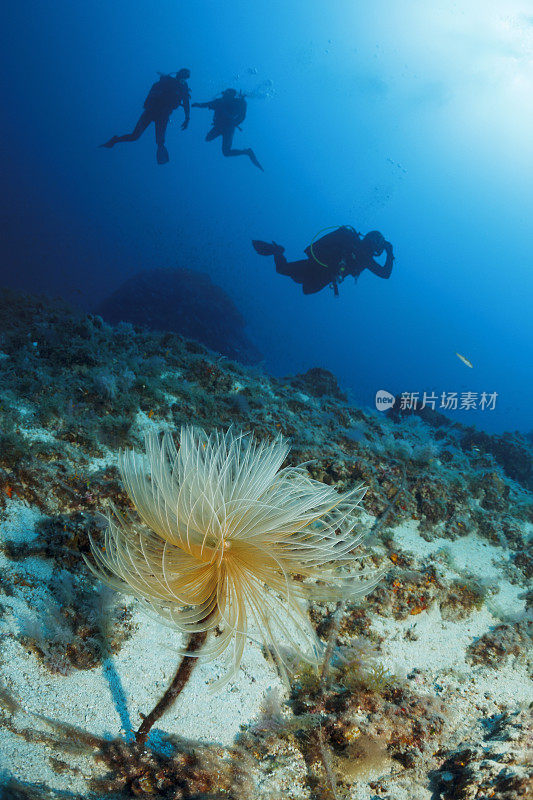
(415, 119)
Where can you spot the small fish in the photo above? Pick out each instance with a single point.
(465, 360)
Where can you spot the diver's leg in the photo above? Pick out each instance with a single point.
(227, 141)
(282, 265)
(144, 120)
(297, 270)
(253, 158)
(312, 284)
(212, 134)
(160, 131)
(227, 150)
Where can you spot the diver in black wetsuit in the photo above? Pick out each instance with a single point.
(330, 259)
(167, 94)
(230, 111)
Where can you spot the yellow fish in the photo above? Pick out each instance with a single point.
(465, 360)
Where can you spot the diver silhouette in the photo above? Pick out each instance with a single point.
(230, 111)
(167, 94)
(332, 258)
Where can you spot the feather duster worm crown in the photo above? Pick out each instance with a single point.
(227, 539)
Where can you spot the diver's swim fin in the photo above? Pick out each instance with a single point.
(267, 248)
(109, 143)
(162, 155)
(253, 158)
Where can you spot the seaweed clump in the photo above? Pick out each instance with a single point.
(499, 644)
(348, 718)
(182, 771)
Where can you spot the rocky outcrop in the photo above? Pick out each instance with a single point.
(185, 302)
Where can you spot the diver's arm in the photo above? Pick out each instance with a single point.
(383, 270)
(187, 104)
(186, 109)
(203, 105)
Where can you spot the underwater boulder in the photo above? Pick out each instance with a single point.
(510, 450)
(427, 414)
(318, 382)
(186, 302)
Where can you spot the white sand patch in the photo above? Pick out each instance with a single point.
(468, 554)
(19, 527)
(109, 699)
(439, 650)
(19, 522)
(469, 557)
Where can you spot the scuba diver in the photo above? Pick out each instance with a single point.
(332, 258)
(230, 111)
(167, 94)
